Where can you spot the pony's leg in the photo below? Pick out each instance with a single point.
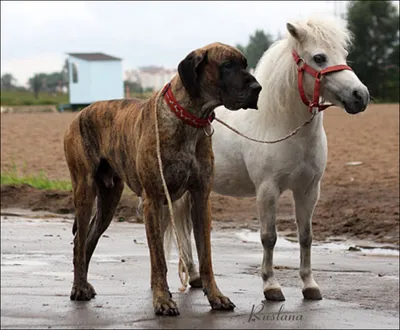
(305, 202)
(184, 228)
(267, 198)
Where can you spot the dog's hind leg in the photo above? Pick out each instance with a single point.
(162, 298)
(107, 202)
(84, 195)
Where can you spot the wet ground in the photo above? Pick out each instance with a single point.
(360, 286)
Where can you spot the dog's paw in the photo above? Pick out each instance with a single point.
(220, 302)
(82, 292)
(165, 306)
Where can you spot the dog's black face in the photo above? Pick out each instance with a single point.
(218, 73)
(238, 88)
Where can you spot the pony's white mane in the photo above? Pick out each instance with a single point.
(276, 70)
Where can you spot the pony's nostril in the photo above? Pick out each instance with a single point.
(357, 95)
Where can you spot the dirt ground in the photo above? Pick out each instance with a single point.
(356, 201)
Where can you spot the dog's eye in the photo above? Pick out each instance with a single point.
(319, 58)
(227, 65)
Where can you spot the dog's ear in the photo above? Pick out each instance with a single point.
(189, 70)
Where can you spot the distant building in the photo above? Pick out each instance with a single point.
(94, 77)
(150, 77)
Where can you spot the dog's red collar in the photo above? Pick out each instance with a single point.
(183, 114)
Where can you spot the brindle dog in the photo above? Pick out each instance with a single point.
(112, 142)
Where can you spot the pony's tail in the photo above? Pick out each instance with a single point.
(169, 236)
(183, 223)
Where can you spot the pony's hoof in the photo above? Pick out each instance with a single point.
(312, 294)
(196, 282)
(274, 295)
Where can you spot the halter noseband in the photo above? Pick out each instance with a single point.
(314, 106)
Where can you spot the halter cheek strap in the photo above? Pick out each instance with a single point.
(315, 105)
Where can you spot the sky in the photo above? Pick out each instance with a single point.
(35, 36)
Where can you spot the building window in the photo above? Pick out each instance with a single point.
(74, 73)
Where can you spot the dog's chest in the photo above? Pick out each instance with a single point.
(179, 167)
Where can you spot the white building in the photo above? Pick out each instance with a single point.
(94, 77)
(152, 77)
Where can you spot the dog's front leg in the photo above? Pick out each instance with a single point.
(162, 302)
(201, 218)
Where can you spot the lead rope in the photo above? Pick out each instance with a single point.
(270, 142)
(182, 265)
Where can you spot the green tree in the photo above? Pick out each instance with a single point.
(259, 42)
(7, 81)
(36, 83)
(46, 82)
(54, 80)
(375, 52)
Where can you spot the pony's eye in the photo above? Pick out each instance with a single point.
(319, 58)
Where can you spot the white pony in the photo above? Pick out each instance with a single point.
(245, 168)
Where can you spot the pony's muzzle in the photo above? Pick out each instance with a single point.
(357, 101)
(361, 97)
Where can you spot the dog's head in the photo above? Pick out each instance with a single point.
(217, 72)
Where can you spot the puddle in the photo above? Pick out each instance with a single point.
(32, 255)
(283, 243)
(66, 275)
(254, 237)
(23, 263)
(27, 262)
(390, 277)
(380, 252)
(55, 274)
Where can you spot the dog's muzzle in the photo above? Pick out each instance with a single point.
(252, 100)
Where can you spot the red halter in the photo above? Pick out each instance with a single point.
(315, 106)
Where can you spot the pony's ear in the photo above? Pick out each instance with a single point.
(189, 69)
(296, 31)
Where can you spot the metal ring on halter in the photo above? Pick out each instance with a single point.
(314, 108)
(300, 63)
(209, 127)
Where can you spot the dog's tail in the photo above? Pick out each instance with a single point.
(183, 223)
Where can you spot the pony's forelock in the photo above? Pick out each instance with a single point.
(326, 30)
